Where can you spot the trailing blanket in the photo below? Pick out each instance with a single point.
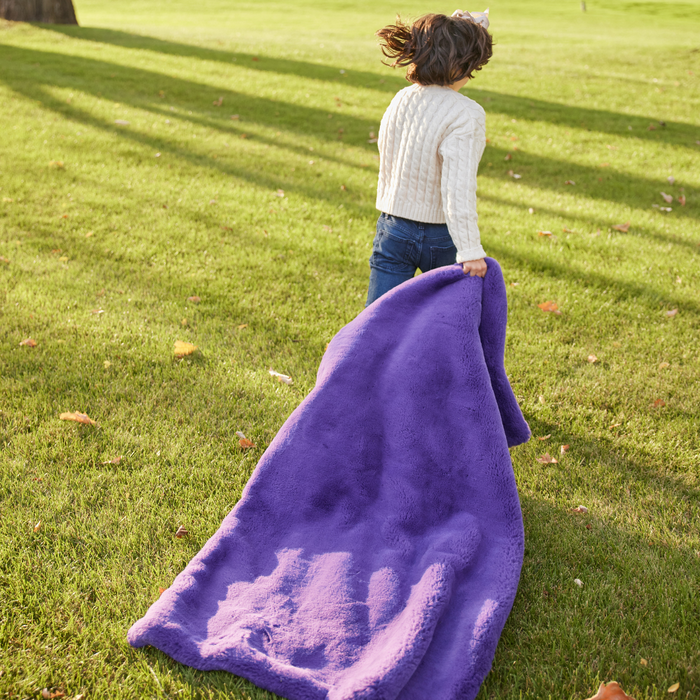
(376, 550)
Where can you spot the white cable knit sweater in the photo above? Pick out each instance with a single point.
(431, 140)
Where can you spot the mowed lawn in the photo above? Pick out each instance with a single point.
(221, 150)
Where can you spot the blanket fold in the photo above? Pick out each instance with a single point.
(376, 550)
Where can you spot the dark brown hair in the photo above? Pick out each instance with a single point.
(438, 50)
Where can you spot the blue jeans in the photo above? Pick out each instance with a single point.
(401, 246)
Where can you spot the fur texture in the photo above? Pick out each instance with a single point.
(376, 550)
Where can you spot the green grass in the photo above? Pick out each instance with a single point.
(122, 231)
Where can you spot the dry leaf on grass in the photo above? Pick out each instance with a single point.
(181, 532)
(671, 313)
(161, 590)
(57, 164)
(194, 299)
(580, 509)
(4, 259)
(546, 458)
(545, 437)
(182, 348)
(515, 176)
(563, 449)
(281, 377)
(82, 418)
(48, 694)
(548, 234)
(667, 197)
(245, 443)
(611, 691)
(279, 193)
(658, 403)
(578, 582)
(682, 200)
(663, 365)
(592, 359)
(674, 687)
(550, 306)
(643, 662)
(569, 182)
(107, 364)
(114, 460)
(622, 227)
(37, 527)
(568, 230)
(29, 342)
(219, 102)
(241, 326)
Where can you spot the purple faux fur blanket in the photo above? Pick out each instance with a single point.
(376, 550)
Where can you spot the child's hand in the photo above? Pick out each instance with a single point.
(475, 268)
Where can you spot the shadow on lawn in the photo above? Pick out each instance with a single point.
(513, 105)
(138, 88)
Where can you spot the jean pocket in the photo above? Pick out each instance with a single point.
(442, 255)
(393, 253)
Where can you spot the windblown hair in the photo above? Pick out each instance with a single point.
(438, 50)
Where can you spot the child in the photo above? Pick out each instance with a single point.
(431, 139)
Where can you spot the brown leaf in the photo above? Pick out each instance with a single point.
(241, 326)
(219, 102)
(548, 234)
(114, 460)
(568, 230)
(509, 156)
(643, 662)
(4, 259)
(592, 359)
(37, 526)
(546, 458)
(611, 691)
(569, 182)
(672, 312)
(580, 509)
(161, 590)
(245, 443)
(659, 403)
(181, 532)
(29, 342)
(544, 437)
(78, 418)
(564, 449)
(681, 199)
(182, 348)
(674, 687)
(194, 299)
(622, 227)
(550, 306)
(46, 693)
(667, 197)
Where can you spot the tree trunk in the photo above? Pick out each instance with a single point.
(49, 11)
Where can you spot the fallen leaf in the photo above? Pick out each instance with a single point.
(183, 322)
(614, 425)
(4, 259)
(157, 155)
(544, 437)
(245, 443)
(161, 590)
(681, 200)
(550, 306)
(107, 364)
(544, 233)
(515, 176)
(97, 311)
(611, 691)
(121, 122)
(235, 117)
(569, 182)
(671, 313)
(663, 365)
(667, 197)
(182, 348)
(29, 342)
(343, 187)
(568, 230)
(651, 127)
(181, 532)
(219, 102)
(114, 460)
(643, 662)
(280, 377)
(37, 527)
(78, 418)
(578, 582)
(622, 227)
(540, 398)
(56, 164)
(658, 403)
(279, 193)
(194, 299)
(674, 687)
(508, 157)
(592, 359)
(255, 58)
(242, 326)
(546, 458)
(564, 449)
(63, 258)
(101, 293)
(580, 509)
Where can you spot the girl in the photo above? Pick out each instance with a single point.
(431, 139)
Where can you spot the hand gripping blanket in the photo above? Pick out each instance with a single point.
(376, 550)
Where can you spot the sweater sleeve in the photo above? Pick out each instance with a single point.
(461, 151)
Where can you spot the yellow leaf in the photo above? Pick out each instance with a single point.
(78, 418)
(182, 348)
(107, 364)
(663, 365)
(56, 164)
(550, 306)
(643, 662)
(674, 687)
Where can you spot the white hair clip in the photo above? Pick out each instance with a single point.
(481, 18)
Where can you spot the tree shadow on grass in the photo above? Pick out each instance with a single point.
(93, 76)
(603, 121)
